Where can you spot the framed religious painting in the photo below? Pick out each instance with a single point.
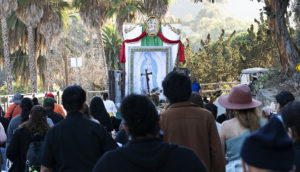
(146, 69)
(152, 26)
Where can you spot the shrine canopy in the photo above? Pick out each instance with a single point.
(158, 40)
(153, 34)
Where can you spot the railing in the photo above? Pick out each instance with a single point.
(5, 99)
(212, 87)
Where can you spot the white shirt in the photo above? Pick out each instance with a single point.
(110, 107)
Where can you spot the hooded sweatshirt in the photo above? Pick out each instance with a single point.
(150, 156)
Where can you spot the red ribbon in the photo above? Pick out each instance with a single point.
(122, 58)
(181, 47)
(162, 37)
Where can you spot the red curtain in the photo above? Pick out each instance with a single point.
(162, 37)
(181, 47)
(122, 58)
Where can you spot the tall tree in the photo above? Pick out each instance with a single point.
(289, 55)
(92, 12)
(5, 7)
(31, 12)
(51, 26)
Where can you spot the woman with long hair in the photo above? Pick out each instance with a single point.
(241, 108)
(98, 111)
(33, 129)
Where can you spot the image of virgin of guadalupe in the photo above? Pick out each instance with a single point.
(150, 65)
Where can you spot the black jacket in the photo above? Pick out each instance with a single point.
(17, 149)
(150, 156)
(55, 117)
(297, 155)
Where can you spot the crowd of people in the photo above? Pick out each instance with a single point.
(185, 136)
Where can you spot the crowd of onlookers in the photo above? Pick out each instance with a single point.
(136, 136)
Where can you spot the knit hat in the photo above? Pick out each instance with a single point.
(17, 98)
(49, 102)
(49, 95)
(269, 148)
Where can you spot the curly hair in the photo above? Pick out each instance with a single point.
(98, 111)
(177, 87)
(37, 122)
(26, 105)
(140, 115)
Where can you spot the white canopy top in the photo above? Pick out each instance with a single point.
(254, 70)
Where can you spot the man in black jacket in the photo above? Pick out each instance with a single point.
(146, 151)
(49, 106)
(76, 143)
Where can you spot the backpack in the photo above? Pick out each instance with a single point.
(33, 156)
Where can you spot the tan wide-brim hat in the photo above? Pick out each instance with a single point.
(239, 98)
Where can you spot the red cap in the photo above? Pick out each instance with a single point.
(49, 95)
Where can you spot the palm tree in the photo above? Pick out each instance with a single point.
(51, 26)
(92, 12)
(156, 8)
(5, 7)
(31, 12)
(112, 45)
(18, 37)
(124, 11)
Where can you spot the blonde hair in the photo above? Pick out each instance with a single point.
(248, 118)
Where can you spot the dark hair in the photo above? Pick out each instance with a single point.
(284, 97)
(291, 116)
(140, 115)
(105, 96)
(221, 118)
(37, 122)
(197, 99)
(98, 111)
(177, 87)
(35, 101)
(26, 105)
(73, 98)
(213, 108)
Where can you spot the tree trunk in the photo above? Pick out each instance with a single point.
(65, 58)
(49, 79)
(92, 44)
(32, 62)
(289, 55)
(6, 56)
(102, 59)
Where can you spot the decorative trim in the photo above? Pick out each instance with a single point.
(132, 50)
(131, 28)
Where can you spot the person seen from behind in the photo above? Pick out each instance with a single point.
(26, 105)
(214, 110)
(109, 105)
(14, 109)
(57, 108)
(187, 124)
(283, 98)
(146, 151)
(33, 129)
(49, 104)
(268, 149)
(98, 111)
(241, 108)
(75, 143)
(291, 119)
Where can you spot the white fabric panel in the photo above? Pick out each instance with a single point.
(137, 31)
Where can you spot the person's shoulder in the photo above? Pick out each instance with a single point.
(186, 155)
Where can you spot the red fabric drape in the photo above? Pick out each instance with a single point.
(122, 58)
(162, 37)
(181, 47)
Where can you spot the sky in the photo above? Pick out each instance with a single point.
(242, 9)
